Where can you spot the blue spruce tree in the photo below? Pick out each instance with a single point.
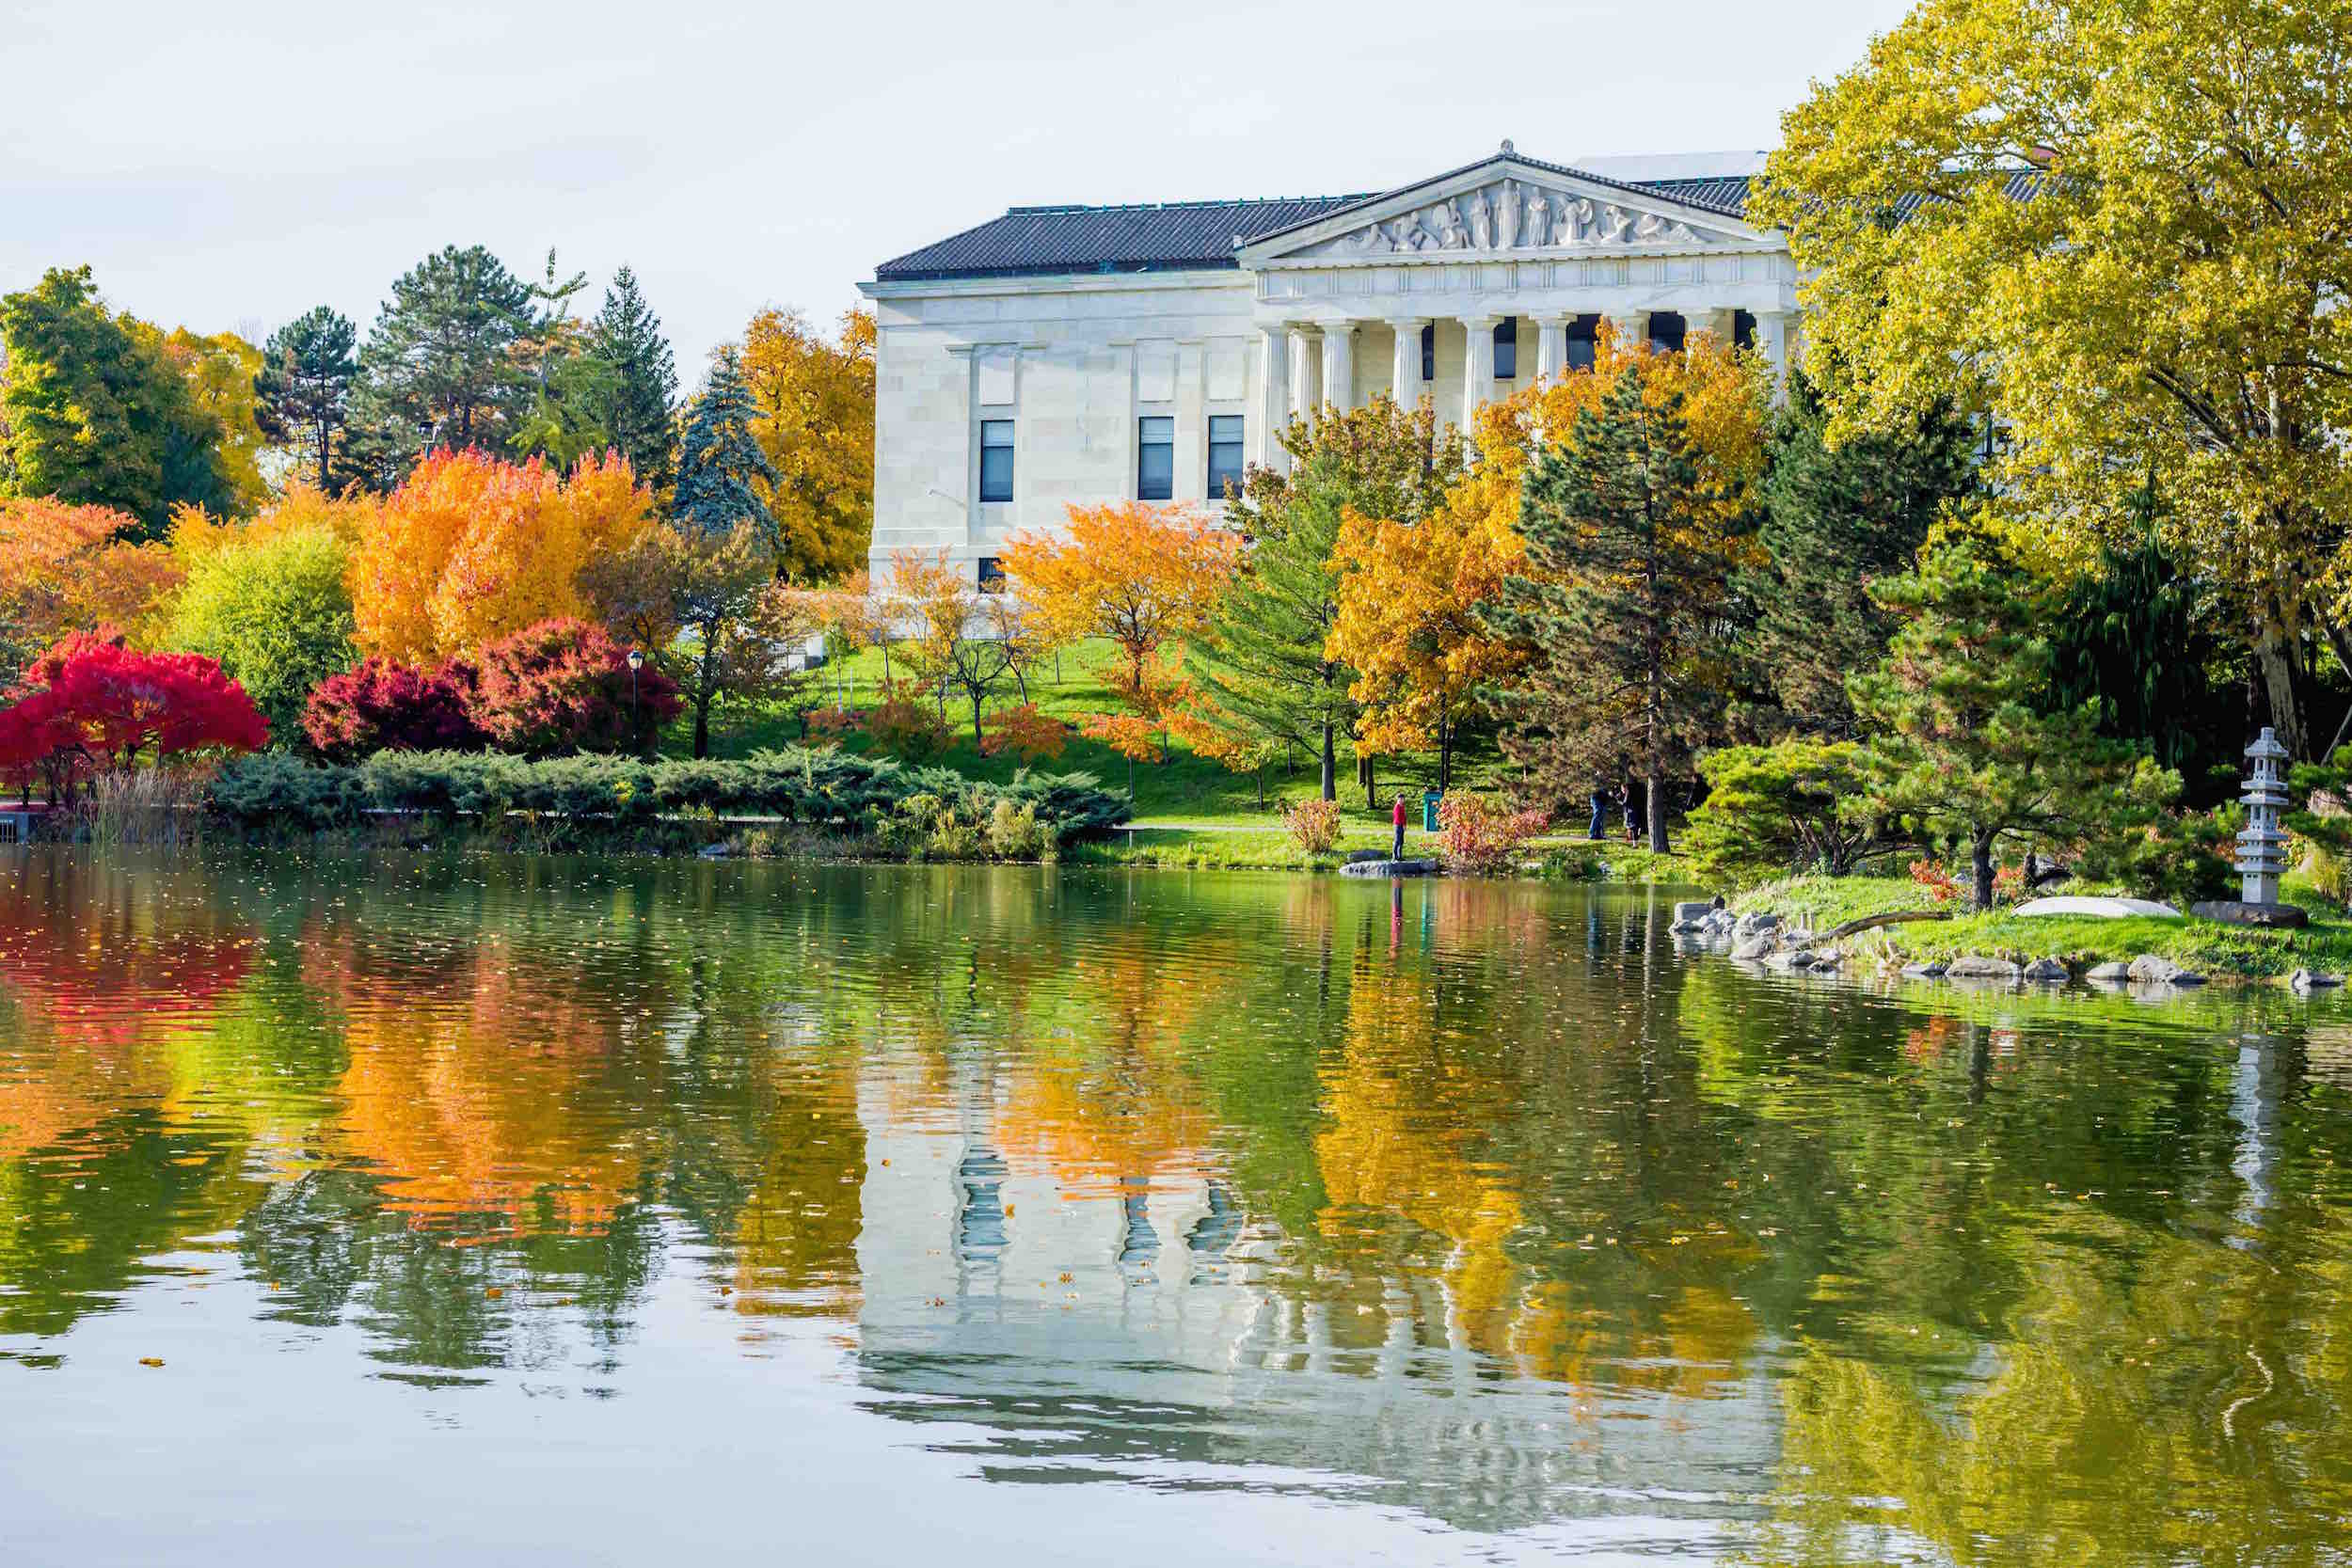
(719, 458)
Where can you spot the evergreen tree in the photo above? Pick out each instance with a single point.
(1835, 518)
(1629, 559)
(95, 412)
(719, 458)
(308, 369)
(440, 367)
(1961, 712)
(1264, 670)
(636, 399)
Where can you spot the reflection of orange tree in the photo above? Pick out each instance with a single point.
(796, 1235)
(1406, 1133)
(489, 1087)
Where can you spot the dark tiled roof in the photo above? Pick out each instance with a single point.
(1185, 235)
(1171, 236)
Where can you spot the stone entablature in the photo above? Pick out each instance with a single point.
(1077, 369)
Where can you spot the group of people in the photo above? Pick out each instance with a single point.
(1628, 802)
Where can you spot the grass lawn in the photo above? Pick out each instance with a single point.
(1191, 811)
(2206, 945)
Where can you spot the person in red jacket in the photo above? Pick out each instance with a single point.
(1397, 816)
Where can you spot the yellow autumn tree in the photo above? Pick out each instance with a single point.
(471, 548)
(1408, 595)
(814, 416)
(67, 568)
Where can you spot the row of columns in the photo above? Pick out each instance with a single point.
(1293, 345)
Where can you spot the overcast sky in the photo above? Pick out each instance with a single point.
(229, 165)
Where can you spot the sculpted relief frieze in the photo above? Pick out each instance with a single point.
(1510, 216)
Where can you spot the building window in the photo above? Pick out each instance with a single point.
(1429, 354)
(991, 574)
(995, 460)
(1583, 342)
(1742, 329)
(1667, 331)
(1225, 444)
(1155, 458)
(1507, 349)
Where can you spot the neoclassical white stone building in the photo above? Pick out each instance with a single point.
(1061, 355)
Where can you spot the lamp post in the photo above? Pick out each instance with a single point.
(636, 662)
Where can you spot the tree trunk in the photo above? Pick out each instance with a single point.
(702, 729)
(1657, 814)
(1330, 766)
(1445, 754)
(1980, 858)
(977, 740)
(2273, 656)
(1365, 766)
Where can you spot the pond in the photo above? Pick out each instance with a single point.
(479, 1209)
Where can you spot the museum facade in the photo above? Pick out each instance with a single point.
(1081, 354)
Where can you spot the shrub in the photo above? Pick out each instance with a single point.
(1941, 884)
(89, 700)
(1026, 734)
(1480, 835)
(383, 706)
(272, 608)
(1314, 824)
(1799, 805)
(275, 791)
(564, 686)
(907, 727)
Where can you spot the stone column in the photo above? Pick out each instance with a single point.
(1551, 346)
(1339, 364)
(1716, 324)
(1631, 327)
(1273, 405)
(1303, 399)
(1773, 335)
(1405, 379)
(1478, 365)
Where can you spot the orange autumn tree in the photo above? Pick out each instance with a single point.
(1408, 595)
(66, 568)
(471, 548)
(1144, 576)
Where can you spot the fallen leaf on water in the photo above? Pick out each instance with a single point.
(151, 1361)
(494, 1292)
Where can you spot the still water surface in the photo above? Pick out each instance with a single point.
(593, 1211)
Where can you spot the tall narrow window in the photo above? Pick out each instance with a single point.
(1155, 458)
(1742, 329)
(1429, 354)
(995, 460)
(1583, 341)
(1225, 444)
(1507, 349)
(991, 574)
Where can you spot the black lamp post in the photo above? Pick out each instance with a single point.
(636, 662)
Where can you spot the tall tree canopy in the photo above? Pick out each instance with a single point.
(2119, 225)
(1263, 666)
(814, 420)
(722, 469)
(1835, 519)
(441, 367)
(1631, 536)
(97, 412)
(308, 367)
(637, 401)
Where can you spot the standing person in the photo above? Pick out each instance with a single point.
(1599, 830)
(1397, 818)
(1631, 799)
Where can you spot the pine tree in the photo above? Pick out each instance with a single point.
(636, 401)
(719, 458)
(1960, 709)
(305, 389)
(1629, 559)
(440, 367)
(1835, 518)
(1263, 669)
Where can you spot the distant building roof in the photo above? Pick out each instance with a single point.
(1183, 236)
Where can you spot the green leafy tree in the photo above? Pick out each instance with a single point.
(1960, 711)
(719, 458)
(441, 366)
(1629, 552)
(1796, 805)
(636, 399)
(1264, 671)
(561, 418)
(1835, 518)
(95, 411)
(272, 607)
(308, 369)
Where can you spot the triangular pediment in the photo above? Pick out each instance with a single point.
(1504, 206)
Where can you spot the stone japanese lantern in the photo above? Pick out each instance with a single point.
(2261, 848)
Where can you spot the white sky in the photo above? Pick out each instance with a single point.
(230, 166)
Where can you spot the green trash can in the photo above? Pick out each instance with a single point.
(1429, 798)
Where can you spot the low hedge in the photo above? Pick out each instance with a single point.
(273, 792)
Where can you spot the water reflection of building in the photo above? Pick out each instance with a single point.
(1060, 1325)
